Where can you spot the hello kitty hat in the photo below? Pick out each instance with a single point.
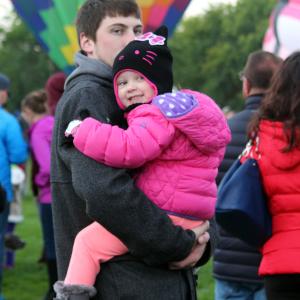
(149, 55)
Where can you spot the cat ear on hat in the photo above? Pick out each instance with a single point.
(162, 31)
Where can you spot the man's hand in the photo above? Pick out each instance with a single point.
(201, 232)
(202, 237)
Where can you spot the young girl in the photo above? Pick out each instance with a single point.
(35, 113)
(178, 140)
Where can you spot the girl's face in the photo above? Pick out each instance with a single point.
(134, 88)
(27, 115)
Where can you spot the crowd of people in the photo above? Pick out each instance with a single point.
(31, 133)
(125, 170)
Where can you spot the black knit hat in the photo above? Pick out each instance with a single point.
(149, 55)
(4, 82)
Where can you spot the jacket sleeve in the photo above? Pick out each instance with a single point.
(205, 124)
(110, 195)
(17, 149)
(147, 135)
(41, 149)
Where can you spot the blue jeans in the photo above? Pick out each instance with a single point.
(47, 229)
(233, 290)
(3, 224)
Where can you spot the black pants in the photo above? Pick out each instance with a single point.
(283, 287)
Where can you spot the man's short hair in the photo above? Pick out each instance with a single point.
(92, 12)
(4, 82)
(260, 67)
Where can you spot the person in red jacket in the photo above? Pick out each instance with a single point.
(277, 126)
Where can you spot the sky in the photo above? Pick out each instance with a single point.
(199, 6)
(194, 8)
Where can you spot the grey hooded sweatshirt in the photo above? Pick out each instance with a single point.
(84, 191)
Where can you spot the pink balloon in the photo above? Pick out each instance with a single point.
(283, 34)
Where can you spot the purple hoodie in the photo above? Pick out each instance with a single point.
(40, 135)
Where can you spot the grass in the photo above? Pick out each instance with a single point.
(205, 289)
(28, 279)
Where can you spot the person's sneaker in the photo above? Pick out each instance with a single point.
(13, 242)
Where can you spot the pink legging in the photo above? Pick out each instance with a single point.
(94, 245)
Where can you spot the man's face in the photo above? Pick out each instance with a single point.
(113, 34)
(3, 97)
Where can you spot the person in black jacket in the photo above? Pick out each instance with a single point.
(236, 264)
(84, 190)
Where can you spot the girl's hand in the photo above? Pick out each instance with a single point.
(72, 128)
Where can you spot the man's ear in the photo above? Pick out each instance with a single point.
(3, 97)
(246, 87)
(86, 43)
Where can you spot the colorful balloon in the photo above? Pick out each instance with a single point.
(52, 23)
(283, 35)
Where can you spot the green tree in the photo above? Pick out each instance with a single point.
(210, 49)
(24, 61)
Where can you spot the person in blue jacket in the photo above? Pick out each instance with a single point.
(13, 150)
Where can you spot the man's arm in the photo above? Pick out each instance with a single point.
(115, 202)
(15, 143)
(41, 152)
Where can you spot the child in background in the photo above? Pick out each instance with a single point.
(35, 113)
(176, 139)
(11, 240)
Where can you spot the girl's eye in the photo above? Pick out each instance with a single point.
(140, 78)
(121, 83)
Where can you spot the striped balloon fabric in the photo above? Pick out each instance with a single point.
(158, 12)
(52, 23)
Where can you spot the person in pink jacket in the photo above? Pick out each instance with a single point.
(177, 140)
(35, 113)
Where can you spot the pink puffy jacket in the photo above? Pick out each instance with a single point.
(179, 156)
